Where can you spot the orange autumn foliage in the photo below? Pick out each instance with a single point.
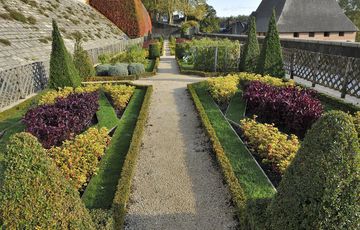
(129, 15)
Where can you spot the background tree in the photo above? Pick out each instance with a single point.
(82, 61)
(352, 10)
(251, 52)
(271, 59)
(210, 23)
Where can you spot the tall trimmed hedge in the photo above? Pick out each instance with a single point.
(83, 61)
(35, 195)
(271, 59)
(62, 69)
(129, 15)
(251, 52)
(321, 188)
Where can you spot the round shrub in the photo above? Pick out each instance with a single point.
(136, 68)
(102, 70)
(320, 189)
(35, 195)
(119, 69)
(154, 50)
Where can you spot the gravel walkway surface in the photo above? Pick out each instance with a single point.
(177, 184)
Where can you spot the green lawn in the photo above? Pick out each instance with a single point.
(102, 187)
(237, 108)
(106, 114)
(251, 178)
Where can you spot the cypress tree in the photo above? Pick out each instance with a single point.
(62, 69)
(320, 189)
(251, 52)
(271, 60)
(82, 61)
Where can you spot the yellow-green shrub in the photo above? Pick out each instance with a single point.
(120, 94)
(34, 193)
(272, 146)
(356, 119)
(78, 158)
(51, 96)
(222, 89)
(246, 77)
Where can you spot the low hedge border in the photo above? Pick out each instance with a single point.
(237, 192)
(125, 78)
(124, 186)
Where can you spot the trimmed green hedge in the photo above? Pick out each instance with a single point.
(320, 189)
(123, 190)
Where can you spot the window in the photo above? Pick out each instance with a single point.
(341, 34)
(296, 35)
(311, 34)
(327, 34)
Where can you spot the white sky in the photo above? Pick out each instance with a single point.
(226, 8)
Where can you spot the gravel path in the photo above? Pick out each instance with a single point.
(177, 185)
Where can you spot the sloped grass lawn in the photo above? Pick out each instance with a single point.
(251, 178)
(102, 187)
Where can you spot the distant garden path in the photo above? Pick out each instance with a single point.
(177, 185)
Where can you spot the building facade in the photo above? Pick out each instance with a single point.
(306, 19)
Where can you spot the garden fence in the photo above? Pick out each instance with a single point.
(216, 58)
(336, 72)
(19, 82)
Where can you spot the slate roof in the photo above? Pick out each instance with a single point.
(304, 16)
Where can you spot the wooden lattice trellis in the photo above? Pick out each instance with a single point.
(336, 72)
(19, 82)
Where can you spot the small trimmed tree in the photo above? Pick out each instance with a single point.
(250, 56)
(271, 59)
(34, 193)
(320, 189)
(62, 69)
(82, 61)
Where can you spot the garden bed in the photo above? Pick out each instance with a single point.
(222, 121)
(98, 191)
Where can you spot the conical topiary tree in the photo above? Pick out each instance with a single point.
(62, 69)
(271, 60)
(34, 193)
(82, 61)
(320, 189)
(250, 56)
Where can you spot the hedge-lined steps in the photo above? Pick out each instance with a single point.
(176, 185)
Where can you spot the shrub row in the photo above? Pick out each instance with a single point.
(51, 96)
(78, 159)
(120, 95)
(134, 54)
(246, 78)
(222, 89)
(52, 124)
(120, 69)
(274, 148)
(34, 193)
(288, 107)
